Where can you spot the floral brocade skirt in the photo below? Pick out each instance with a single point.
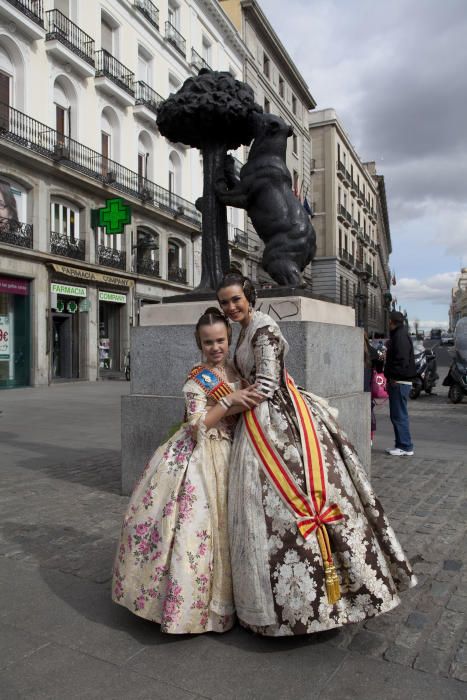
(172, 564)
(278, 577)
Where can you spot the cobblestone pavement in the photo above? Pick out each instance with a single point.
(60, 636)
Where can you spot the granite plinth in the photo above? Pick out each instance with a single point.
(325, 358)
(290, 307)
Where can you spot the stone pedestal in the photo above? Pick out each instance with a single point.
(326, 357)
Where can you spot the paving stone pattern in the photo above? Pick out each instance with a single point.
(58, 532)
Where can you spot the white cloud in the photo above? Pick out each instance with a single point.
(435, 289)
(428, 325)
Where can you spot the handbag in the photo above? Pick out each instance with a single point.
(378, 385)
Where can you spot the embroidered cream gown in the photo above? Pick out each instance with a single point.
(278, 578)
(172, 564)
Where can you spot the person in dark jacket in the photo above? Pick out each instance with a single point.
(400, 371)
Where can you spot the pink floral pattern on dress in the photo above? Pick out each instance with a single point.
(164, 563)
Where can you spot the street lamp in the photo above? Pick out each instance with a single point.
(361, 297)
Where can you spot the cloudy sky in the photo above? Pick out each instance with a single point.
(396, 74)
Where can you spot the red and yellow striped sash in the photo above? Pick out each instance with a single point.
(310, 509)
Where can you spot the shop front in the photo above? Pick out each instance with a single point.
(112, 321)
(67, 301)
(15, 332)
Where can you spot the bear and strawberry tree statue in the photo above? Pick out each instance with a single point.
(217, 113)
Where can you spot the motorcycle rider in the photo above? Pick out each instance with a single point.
(399, 370)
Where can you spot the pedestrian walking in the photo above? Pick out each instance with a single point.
(400, 371)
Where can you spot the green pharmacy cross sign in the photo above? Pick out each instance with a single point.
(113, 217)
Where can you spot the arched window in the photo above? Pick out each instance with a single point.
(110, 140)
(176, 261)
(11, 190)
(147, 251)
(175, 173)
(145, 158)
(64, 219)
(65, 108)
(12, 83)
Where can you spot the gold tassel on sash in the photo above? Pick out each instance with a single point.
(331, 580)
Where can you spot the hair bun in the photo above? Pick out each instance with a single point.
(213, 311)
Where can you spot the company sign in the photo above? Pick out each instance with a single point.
(111, 296)
(91, 276)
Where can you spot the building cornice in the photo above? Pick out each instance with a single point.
(384, 209)
(333, 120)
(225, 25)
(264, 27)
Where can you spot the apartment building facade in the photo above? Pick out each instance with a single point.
(79, 88)
(279, 89)
(352, 225)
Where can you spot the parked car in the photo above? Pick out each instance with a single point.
(447, 338)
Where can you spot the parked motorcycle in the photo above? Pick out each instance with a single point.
(456, 379)
(426, 367)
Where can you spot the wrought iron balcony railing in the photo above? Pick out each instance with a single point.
(28, 133)
(340, 169)
(149, 10)
(64, 245)
(108, 66)
(174, 37)
(111, 257)
(358, 265)
(145, 95)
(177, 274)
(240, 238)
(148, 267)
(344, 254)
(15, 233)
(31, 8)
(198, 61)
(70, 35)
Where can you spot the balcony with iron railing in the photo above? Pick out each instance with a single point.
(174, 37)
(177, 274)
(110, 72)
(240, 238)
(71, 41)
(198, 62)
(110, 257)
(149, 10)
(26, 15)
(15, 233)
(147, 266)
(145, 96)
(34, 136)
(360, 196)
(344, 254)
(358, 265)
(67, 246)
(340, 170)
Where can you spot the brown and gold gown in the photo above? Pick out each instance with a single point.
(278, 577)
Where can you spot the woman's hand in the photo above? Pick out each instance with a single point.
(249, 397)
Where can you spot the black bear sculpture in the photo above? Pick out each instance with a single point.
(264, 189)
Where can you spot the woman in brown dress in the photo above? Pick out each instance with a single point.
(311, 548)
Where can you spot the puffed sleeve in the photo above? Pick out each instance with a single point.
(195, 402)
(268, 350)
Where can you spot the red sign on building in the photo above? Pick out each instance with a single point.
(14, 285)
